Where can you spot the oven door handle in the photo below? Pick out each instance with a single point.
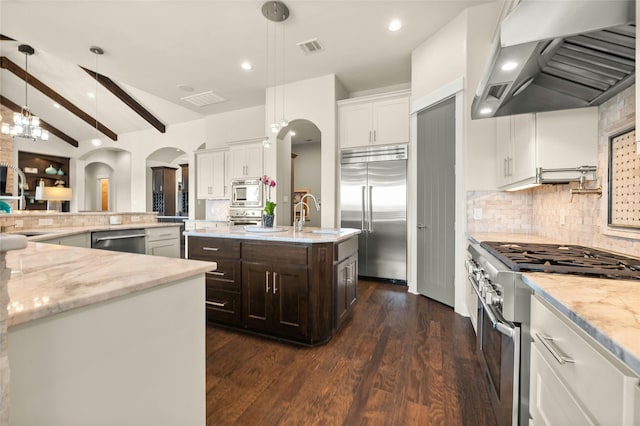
(498, 325)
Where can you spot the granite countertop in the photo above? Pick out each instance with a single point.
(606, 309)
(48, 279)
(287, 234)
(43, 234)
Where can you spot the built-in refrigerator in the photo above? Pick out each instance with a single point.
(373, 198)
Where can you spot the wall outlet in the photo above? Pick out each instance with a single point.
(477, 213)
(562, 219)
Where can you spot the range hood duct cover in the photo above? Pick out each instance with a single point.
(570, 54)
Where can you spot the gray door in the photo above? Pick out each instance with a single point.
(436, 201)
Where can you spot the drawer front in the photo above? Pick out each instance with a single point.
(601, 384)
(223, 306)
(203, 248)
(226, 276)
(163, 233)
(346, 248)
(275, 253)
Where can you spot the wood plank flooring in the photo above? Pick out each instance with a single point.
(400, 359)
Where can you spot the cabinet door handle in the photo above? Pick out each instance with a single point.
(220, 274)
(547, 342)
(210, 248)
(266, 281)
(275, 277)
(216, 304)
(374, 136)
(504, 167)
(369, 136)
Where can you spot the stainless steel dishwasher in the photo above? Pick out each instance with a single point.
(127, 240)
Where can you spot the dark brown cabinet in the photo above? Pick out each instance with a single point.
(163, 190)
(223, 285)
(290, 291)
(183, 191)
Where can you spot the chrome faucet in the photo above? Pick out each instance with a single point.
(298, 224)
(21, 180)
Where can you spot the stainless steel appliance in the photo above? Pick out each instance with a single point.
(504, 339)
(503, 334)
(373, 198)
(245, 216)
(127, 240)
(247, 193)
(558, 55)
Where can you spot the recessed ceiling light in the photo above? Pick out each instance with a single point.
(96, 142)
(293, 133)
(485, 111)
(508, 66)
(246, 66)
(56, 105)
(395, 25)
(91, 95)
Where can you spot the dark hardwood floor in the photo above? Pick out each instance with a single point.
(400, 359)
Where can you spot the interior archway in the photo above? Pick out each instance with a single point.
(298, 157)
(177, 160)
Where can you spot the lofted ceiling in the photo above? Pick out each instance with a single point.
(152, 48)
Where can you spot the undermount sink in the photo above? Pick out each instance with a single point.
(332, 231)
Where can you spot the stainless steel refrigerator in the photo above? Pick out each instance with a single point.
(373, 198)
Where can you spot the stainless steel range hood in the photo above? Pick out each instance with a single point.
(558, 55)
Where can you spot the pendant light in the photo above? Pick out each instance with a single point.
(25, 125)
(96, 141)
(275, 12)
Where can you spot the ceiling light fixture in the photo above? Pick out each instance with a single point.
(275, 12)
(96, 141)
(25, 125)
(56, 105)
(509, 66)
(395, 25)
(485, 111)
(246, 66)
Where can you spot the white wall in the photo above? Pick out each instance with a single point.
(235, 125)
(312, 100)
(307, 170)
(450, 62)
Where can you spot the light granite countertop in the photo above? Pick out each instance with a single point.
(606, 309)
(44, 233)
(47, 279)
(286, 234)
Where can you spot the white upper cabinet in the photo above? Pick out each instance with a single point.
(245, 160)
(211, 174)
(548, 140)
(374, 120)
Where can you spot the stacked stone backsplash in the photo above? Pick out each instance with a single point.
(551, 210)
(499, 211)
(42, 220)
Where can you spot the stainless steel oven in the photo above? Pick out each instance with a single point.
(503, 335)
(247, 193)
(244, 216)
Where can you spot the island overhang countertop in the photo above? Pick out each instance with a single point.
(279, 233)
(47, 279)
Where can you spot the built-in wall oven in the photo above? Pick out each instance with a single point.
(503, 341)
(245, 216)
(247, 193)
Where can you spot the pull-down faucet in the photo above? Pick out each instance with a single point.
(21, 180)
(298, 224)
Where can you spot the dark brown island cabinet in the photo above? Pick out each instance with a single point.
(299, 292)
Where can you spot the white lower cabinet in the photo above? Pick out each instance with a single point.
(77, 240)
(163, 241)
(574, 379)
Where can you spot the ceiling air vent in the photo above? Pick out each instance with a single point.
(311, 46)
(204, 99)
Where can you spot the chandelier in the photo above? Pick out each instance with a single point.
(25, 125)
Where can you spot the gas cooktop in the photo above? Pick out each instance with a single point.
(570, 259)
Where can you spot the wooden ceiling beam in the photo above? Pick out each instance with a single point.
(4, 37)
(119, 93)
(7, 64)
(51, 129)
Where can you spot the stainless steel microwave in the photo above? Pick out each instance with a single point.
(246, 192)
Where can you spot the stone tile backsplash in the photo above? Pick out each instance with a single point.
(551, 210)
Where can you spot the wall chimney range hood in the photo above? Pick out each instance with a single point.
(552, 55)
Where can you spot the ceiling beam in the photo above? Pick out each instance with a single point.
(51, 129)
(7, 64)
(119, 93)
(4, 37)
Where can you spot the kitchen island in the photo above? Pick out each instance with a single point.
(293, 286)
(102, 338)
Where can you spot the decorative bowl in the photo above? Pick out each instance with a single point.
(60, 172)
(51, 170)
